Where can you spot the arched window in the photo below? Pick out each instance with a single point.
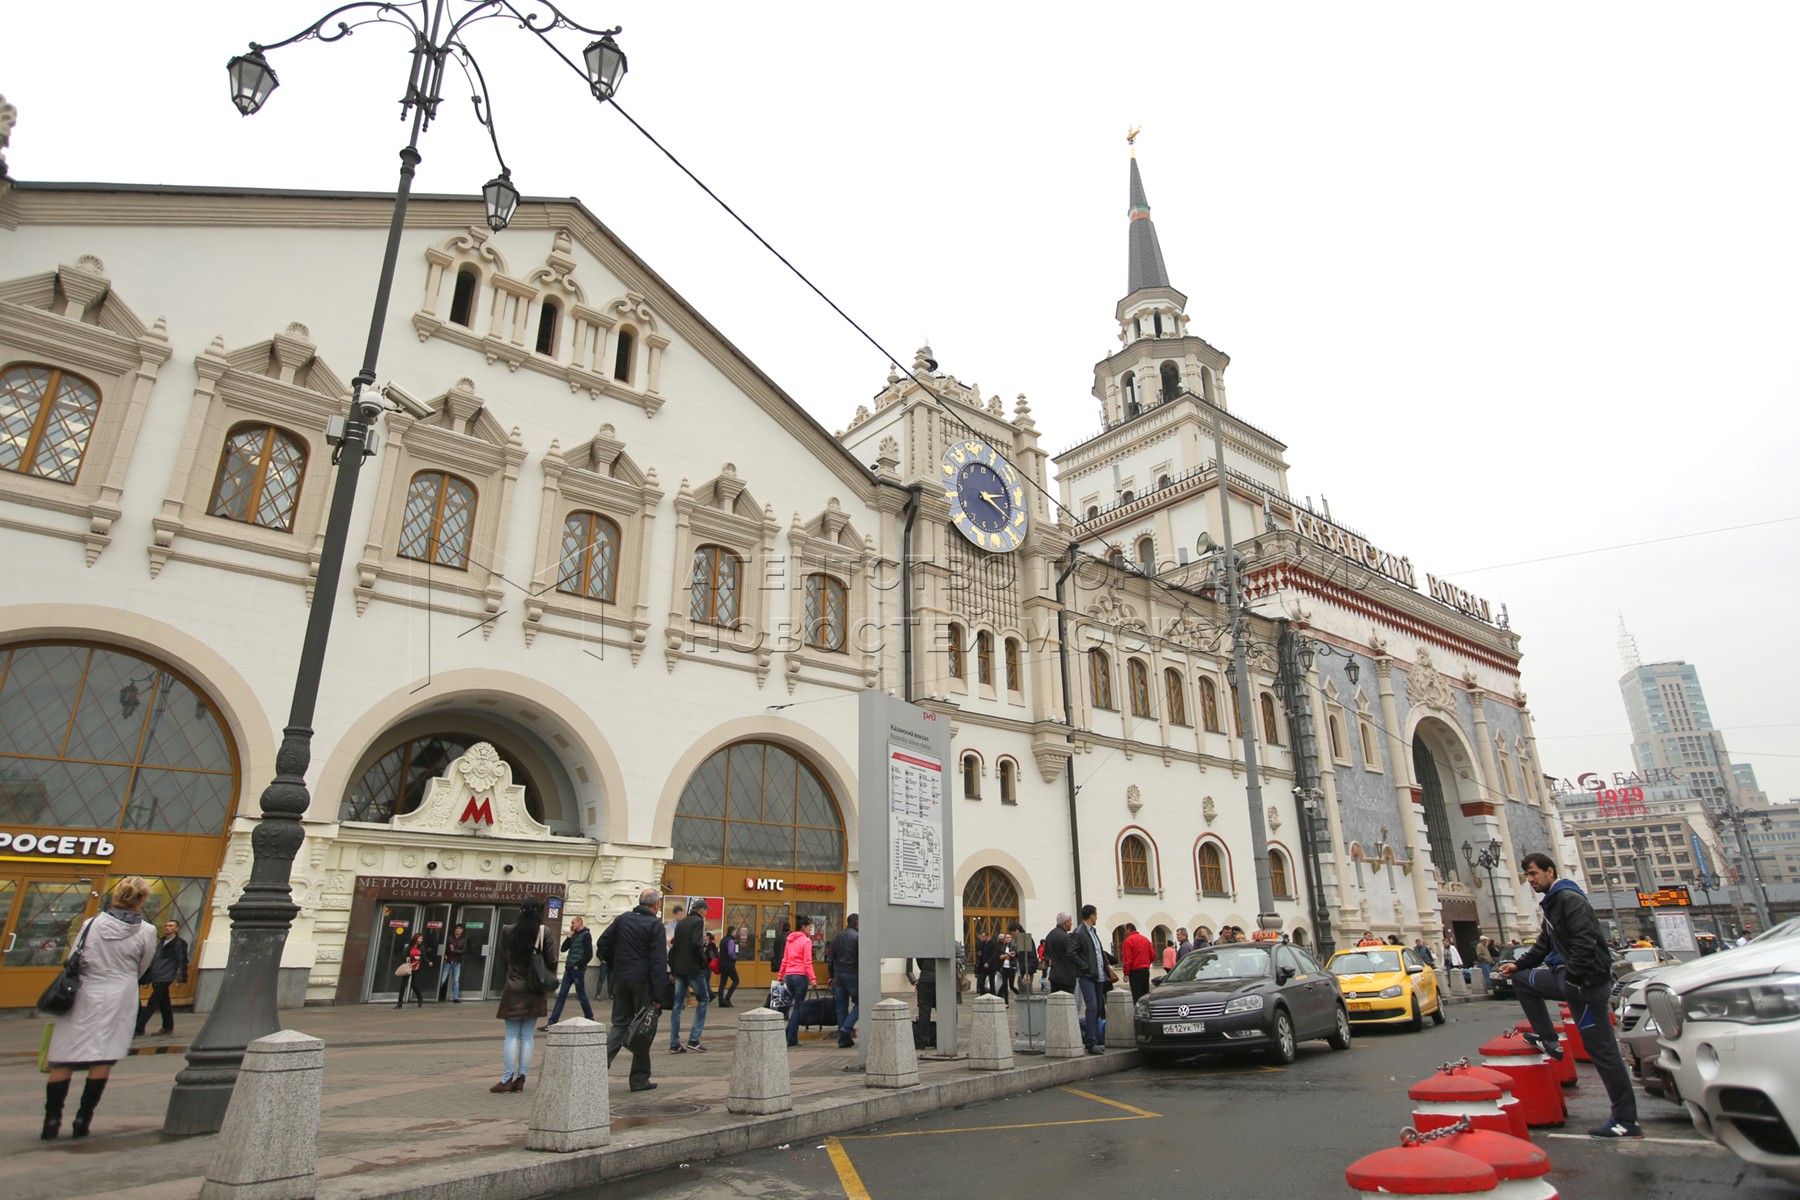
(622, 357)
(1163, 481)
(1115, 557)
(1175, 696)
(462, 300)
(1278, 875)
(1100, 679)
(1134, 864)
(713, 587)
(259, 477)
(1013, 681)
(1212, 870)
(990, 904)
(756, 804)
(1237, 713)
(1335, 726)
(953, 651)
(1129, 383)
(827, 613)
(1171, 381)
(1146, 555)
(590, 557)
(984, 658)
(1271, 731)
(1371, 753)
(1127, 496)
(46, 415)
(1139, 675)
(395, 782)
(1009, 781)
(439, 519)
(1209, 705)
(97, 738)
(546, 330)
(971, 773)
(1504, 762)
(1156, 322)
(1093, 511)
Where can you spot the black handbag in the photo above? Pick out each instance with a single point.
(540, 980)
(59, 997)
(640, 1035)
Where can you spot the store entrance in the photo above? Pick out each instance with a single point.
(397, 923)
(39, 920)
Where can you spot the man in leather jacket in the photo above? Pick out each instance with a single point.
(634, 949)
(1570, 961)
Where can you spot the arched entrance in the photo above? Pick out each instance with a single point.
(990, 904)
(1456, 811)
(758, 833)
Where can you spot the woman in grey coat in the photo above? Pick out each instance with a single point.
(96, 1033)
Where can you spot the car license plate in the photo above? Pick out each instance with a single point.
(1185, 1027)
(1359, 1005)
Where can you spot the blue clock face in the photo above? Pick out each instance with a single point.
(986, 495)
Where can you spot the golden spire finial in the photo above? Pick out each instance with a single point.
(1131, 138)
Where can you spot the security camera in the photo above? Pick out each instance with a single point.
(406, 402)
(432, 865)
(507, 868)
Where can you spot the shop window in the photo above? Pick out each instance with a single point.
(984, 658)
(1134, 864)
(97, 738)
(439, 520)
(259, 477)
(395, 782)
(1209, 705)
(1013, 682)
(1139, 676)
(1175, 696)
(1100, 679)
(756, 804)
(1212, 870)
(46, 415)
(714, 586)
(827, 613)
(590, 557)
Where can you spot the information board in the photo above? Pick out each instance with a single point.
(915, 828)
(1676, 932)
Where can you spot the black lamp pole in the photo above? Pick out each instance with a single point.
(1487, 860)
(261, 917)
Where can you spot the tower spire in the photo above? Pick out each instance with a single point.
(1628, 647)
(1146, 268)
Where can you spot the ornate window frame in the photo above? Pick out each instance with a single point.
(722, 512)
(1228, 885)
(1137, 683)
(595, 476)
(1100, 681)
(830, 545)
(1152, 862)
(1366, 732)
(1209, 705)
(463, 438)
(1175, 697)
(71, 319)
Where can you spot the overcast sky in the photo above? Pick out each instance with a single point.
(1513, 282)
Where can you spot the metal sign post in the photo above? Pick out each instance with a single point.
(906, 850)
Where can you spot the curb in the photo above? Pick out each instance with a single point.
(519, 1174)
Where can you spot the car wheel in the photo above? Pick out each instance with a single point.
(1417, 1021)
(1437, 1013)
(1340, 1036)
(1282, 1049)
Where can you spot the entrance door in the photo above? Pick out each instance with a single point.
(478, 934)
(504, 916)
(395, 925)
(435, 925)
(39, 920)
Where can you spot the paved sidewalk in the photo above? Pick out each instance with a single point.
(407, 1111)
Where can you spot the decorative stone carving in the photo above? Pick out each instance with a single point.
(1209, 808)
(1426, 686)
(1134, 799)
(1274, 818)
(475, 796)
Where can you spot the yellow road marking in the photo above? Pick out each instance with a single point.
(846, 1173)
(1136, 1112)
(857, 1137)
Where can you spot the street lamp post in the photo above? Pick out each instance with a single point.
(1703, 881)
(260, 919)
(1725, 811)
(1294, 655)
(1487, 860)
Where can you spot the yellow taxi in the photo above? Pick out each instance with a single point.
(1387, 985)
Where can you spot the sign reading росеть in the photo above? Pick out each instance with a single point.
(54, 847)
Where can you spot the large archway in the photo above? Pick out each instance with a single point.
(1444, 769)
(990, 906)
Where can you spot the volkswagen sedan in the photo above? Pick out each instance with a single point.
(1266, 996)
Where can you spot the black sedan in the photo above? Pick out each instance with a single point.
(1501, 985)
(1265, 996)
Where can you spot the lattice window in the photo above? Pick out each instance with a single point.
(953, 651)
(1009, 781)
(1175, 696)
(1271, 730)
(1013, 683)
(1134, 864)
(439, 520)
(984, 658)
(971, 777)
(259, 477)
(754, 804)
(1140, 687)
(1212, 869)
(1209, 705)
(714, 586)
(1278, 875)
(987, 584)
(827, 613)
(46, 416)
(1100, 679)
(589, 565)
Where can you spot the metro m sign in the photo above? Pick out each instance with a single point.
(478, 812)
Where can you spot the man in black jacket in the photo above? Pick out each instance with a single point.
(169, 966)
(1057, 961)
(687, 963)
(633, 948)
(844, 956)
(1570, 961)
(578, 952)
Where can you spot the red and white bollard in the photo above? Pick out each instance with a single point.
(1533, 1075)
(1564, 1067)
(1509, 1103)
(1444, 1099)
(1419, 1169)
(1520, 1166)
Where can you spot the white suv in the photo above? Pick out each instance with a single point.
(1729, 1027)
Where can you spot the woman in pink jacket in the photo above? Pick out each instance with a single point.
(797, 973)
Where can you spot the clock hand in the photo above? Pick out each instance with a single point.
(990, 498)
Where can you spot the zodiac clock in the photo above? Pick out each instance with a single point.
(986, 495)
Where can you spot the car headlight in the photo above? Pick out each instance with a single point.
(1749, 1002)
(1244, 1004)
(1388, 993)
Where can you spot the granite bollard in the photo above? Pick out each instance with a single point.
(892, 1062)
(1062, 1035)
(268, 1148)
(570, 1109)
(759, 1065)
(990, 1042)
(1458, 985)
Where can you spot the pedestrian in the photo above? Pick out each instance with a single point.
(116, 948)
(925, 992)
(169, 966)
(1202, 938)
(687, 963)
(987, 964)
(454, 949)
(1009, 968)
(710, 956)
(778, 949)
(578, 952)
(520, 1006)
(1453, 959)
(1487, 956)
(1424, 952)
(1059, 962)
(1368, 939)
(1135, 956)
(797, 972)
(637, 959)
(1088, 956)
(1570, 962)
(845, 957)
(1025, 957)
(413, 964)
(728, 960)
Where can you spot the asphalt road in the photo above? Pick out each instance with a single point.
(1211, 1128)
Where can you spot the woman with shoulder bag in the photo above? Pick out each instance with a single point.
(116, 949)
(797, 973)
(415, 958)
(522, 1005)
